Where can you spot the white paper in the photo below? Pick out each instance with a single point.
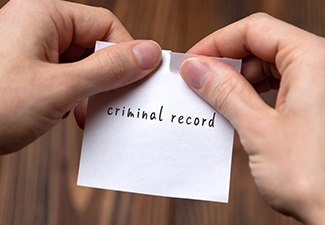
(161, 154)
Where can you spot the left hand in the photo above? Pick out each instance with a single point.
(35, 90)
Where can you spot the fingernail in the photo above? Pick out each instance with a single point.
(195, 72)
(148, 54)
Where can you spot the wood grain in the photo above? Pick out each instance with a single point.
(38, 184)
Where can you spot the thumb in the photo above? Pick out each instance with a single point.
(111, 68)
(226, 90)
(106, 69)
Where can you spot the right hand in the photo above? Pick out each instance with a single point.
(286, 145)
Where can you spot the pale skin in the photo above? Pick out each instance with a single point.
(285, 144)
(37, 91)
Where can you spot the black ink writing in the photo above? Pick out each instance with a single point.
(196, 121)
(158, 116)
(139, 114)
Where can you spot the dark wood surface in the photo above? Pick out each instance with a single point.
(38, 184)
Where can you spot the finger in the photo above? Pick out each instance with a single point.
(261, 35)
(256, 70)
(225, 89)
(266, 85)
(91, 24)
(105, 70)
(74, 53)
(80, 113)
(66, 115)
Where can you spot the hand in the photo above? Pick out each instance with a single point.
(286, 145)
(36, 91)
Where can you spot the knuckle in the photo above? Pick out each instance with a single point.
(260, 21)
(107, 13)
(260, 16)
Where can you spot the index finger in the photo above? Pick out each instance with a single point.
(259, 34)
(95, 23)
(80, 26)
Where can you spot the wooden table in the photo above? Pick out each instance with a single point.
(38, 184)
